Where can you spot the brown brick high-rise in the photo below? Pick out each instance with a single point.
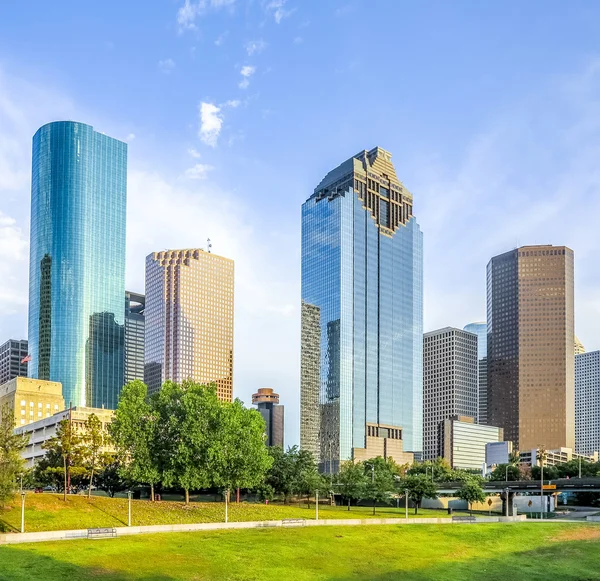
(531, 373)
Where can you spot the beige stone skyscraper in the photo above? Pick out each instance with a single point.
(189, 319)
(531, 368)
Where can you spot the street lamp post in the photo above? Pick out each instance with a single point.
(373, 483)
(579, 466)
(129, 495)
(542, 491)
(506, 492)
(22, 512)
(406, 504)
(316, 505)
(506, 473)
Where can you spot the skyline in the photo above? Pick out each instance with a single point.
(501, 133)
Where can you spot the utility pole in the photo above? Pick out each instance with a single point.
(579, 466)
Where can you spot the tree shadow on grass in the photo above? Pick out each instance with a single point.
(24, 564)
(560, 561)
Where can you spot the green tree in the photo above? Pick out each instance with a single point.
(109, 477)
(419, 486)
(187, 438)
(11, 464)
(380, 479)
(351, 481)
(239, 456)
(505, 471)
(134, 432)
(66, 444)
(308, 480)
(292, 472)
(471, 491)
(92, 442)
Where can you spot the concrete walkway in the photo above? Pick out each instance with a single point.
(17, 538)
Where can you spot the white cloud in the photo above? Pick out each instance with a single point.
(198, 172)
(211, 122)
(277, 8)
(221, 38)
(166, 65)
(233, 103)
(191, 11)
(193, 153)
(255, 47)
(298, 40)
(247, 71)
(130, 137)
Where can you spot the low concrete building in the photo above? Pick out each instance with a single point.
(385, 441)
(31, 399)
(45, 429)
(554, 457)
(462, 442)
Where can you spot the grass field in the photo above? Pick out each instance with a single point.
(514, 552)
(49, 512)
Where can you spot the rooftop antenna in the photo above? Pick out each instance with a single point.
(209, 244)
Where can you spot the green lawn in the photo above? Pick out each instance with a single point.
(49, 512)
(512, 552)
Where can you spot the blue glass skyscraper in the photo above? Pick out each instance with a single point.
(77, 262)
(362, 272)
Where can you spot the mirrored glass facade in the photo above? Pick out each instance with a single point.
(77, 262)
(362, 267)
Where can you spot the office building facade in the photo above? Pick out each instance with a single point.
(480, 329)
(77, 262)
(135, 304)
(189, 319)
(587, 402)
(12, 354)
(267, 402)
(531, 377)
(449, 382)
(362, 268)
(463, 442)
(31, 399)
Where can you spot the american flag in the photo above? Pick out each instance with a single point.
(26, 359)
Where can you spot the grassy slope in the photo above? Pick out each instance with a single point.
(457, 553)
(47, 512)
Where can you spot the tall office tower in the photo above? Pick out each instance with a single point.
(449, 382)
(362, 268)
(134, 336)
(267, 402)
(579, 348)
(189, 319)
(480, 329)
(531, 369)
(587, 403)
(310, 379)
(11, 355)
(77, 262)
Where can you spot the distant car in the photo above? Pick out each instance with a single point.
(49, 489)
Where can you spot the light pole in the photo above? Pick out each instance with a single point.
(579, 466)
(316, 505)
(129, 495)
(542, 455)
(406, 504)
(373, 483)
(506, 473)
(227, 505)
(22, 512)
(506, 492)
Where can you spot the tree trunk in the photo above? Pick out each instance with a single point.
(90, 486)
(308, 500)
(348, 504)
(416, 507)
(152, 492)
(187, 496)
(65, 478)
(237, 496)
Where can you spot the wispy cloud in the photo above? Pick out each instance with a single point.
(255, 47)
(193, 153)
(211, 122)
(246, 71)
(298, 40)
(220, 41)
(191, 11)
(278, 10)
(166, 66)
(198, 171)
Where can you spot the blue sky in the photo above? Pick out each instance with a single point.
(235, 109)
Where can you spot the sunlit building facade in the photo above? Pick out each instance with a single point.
(77, 262)
(189, 319)
(480, 329)
(531, 367)
(362, 269)
(587, 402)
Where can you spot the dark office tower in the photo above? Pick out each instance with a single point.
(449, 383)
(77, 262)
(480, 329)
(362, 268)
(11, 355)
(135, 304)
(531, 370)
(267, 402)
(310, 382)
